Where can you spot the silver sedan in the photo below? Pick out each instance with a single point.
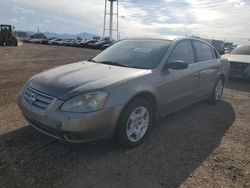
(120, 92)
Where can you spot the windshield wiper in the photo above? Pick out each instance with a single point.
(112, 63)
(91, 60)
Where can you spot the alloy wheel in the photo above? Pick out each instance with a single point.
(137, 124)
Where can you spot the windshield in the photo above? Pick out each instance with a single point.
(242, 50)
(144, 54)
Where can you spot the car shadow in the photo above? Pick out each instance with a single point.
(179, 143)
(238, 84)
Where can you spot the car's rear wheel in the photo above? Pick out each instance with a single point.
(135, 123)
(217, 91)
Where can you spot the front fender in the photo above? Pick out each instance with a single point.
(121, 94)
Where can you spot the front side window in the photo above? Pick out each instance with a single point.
(135, 53)
(204, 52)
(183, 51)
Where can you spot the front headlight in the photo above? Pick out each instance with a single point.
(86, 102)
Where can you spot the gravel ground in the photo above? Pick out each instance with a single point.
(200, 146)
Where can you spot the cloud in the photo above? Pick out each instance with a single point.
(14, 20)
(222, 20)
(226, 19)
(22, 18)
(48, 21)
(21, 10)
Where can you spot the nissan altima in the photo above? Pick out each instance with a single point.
(120, 92)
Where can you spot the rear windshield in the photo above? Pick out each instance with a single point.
(144, 54)
(242, 50)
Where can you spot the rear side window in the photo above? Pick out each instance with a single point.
(183, 51)
(204, 52)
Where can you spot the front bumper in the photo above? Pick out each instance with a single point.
(72, 127)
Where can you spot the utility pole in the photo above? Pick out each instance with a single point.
(111, 17)
(111, 20)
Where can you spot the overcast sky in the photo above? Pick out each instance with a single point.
(227, 19)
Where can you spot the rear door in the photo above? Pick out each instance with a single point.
(179, 87)
(209, 66)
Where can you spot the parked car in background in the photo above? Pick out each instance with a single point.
(229, 46)
(35, 41)
(54, 41)
(75, 43)
(26, 40)
(217, 44)
(66, 42)
(78, 43)
(99, 44)
(239, 62)
(51, 41)
(85, 44)
(120, 92)
(105, 46)
(70, 42)
(44, 41)
(58, 42)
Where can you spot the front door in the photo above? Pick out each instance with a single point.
(178, 87)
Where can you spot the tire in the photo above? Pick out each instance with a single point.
(15, 42)
(9, 43)
(217, 92)
(130, 131)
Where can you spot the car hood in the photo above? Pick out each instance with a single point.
(72, 79)
(237, 58)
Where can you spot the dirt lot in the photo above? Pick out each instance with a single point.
(200, 146)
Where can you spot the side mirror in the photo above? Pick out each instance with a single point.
(177, 65)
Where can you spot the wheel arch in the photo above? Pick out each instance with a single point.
(223, 77)
(147, 95)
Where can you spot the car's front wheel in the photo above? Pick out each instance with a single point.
(134, 123)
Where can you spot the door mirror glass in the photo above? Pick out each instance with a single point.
(177, 65)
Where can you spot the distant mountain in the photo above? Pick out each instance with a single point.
(83, 35)
(70, 36)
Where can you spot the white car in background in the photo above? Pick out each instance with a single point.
(239, 60)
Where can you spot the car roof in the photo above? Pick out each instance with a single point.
(157, 37)
(167, 37)
(171, 38)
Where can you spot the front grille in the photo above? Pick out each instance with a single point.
(37, 99)
(237, 68)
